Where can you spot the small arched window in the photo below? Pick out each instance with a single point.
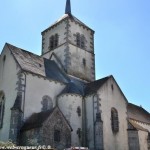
(4, 58)
(56, 40)
(47, 103)
(114, 120)
(84, 62)
(2, 107)
(79, 111)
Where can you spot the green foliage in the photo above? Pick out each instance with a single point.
(8, 143)
(33, 142)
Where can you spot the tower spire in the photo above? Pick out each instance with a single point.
(68, 7)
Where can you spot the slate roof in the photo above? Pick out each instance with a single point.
(70, 16)
(92, 87)
(38, 65)
(36, 120)
(72, 88)
(138, 113)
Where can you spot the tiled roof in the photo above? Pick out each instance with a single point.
(138, 113)
(93, 87)
(70, 16)
(37, 64)
(36, 120)
(137, 126)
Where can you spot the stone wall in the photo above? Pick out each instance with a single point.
(45, 134)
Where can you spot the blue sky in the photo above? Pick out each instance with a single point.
(122, 36)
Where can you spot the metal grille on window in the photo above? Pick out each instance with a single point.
(114, 120)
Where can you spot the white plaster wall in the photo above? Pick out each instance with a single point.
(59, 29)
(143, 140)
(8, 79)
(108, 99)
(36, 88)
(113, 98)
(68, 105)
(76, 67)
(74, 28)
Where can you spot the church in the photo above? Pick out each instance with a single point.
(54, 99)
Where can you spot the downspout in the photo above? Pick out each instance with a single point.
(24, 93)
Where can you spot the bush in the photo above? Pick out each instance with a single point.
(8, 143)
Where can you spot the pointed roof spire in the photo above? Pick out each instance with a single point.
(68, 7)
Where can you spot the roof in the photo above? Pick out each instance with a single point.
(72, 88)
(38, 65)
(93, 87)
(138, 113)
(136, 126)
(70, 16)
(36, 120)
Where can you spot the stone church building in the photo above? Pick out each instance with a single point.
(54, 99)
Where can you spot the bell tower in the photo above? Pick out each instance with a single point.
(70, 43)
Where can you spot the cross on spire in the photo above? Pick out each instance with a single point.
(68, 7)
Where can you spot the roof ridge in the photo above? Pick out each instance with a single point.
(16, 47)
(140, 107)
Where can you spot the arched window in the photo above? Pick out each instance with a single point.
(79, 111)
(2, 107)
(53, 43)
(80, 40)
(47, 103)
(114, 120)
